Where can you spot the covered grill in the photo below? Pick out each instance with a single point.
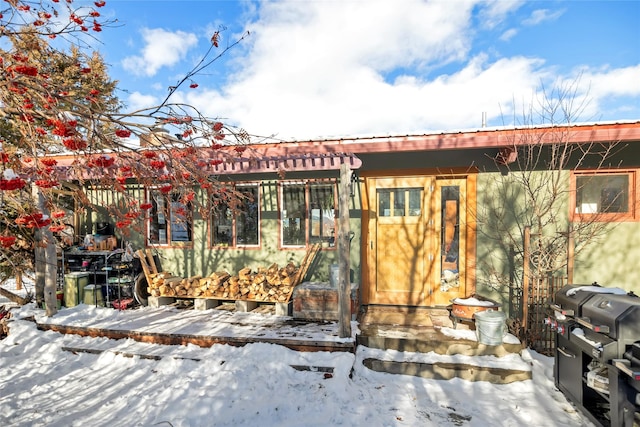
(597, 358)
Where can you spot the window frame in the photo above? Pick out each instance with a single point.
(308, 220)
(168, 211)
(238, 187)
(633, 213)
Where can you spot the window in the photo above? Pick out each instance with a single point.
(399, 202)
(170, 219)
(307, 213)
(237, 223)
(609, 195)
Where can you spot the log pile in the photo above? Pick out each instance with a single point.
(268, 284)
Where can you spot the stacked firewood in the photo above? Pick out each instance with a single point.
(269, 284)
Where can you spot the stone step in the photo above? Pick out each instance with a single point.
(447, 371)
(428, 339)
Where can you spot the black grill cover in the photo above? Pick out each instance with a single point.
(572, 302)
(621, 313)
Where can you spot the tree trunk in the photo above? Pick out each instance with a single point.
(46, 263)
(40, 271)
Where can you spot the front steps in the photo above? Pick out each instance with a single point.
(452, 353)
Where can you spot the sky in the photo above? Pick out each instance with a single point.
(117, 383)
(329, 68)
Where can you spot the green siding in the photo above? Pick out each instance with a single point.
(204, 260)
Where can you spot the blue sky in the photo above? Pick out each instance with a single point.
(330, 68)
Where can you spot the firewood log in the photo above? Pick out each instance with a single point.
(244, 273)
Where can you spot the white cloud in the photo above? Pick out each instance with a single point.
(137, 101)
(162, 49)
(508, 35)
(493, 12)
(542, 15)
(346, 68)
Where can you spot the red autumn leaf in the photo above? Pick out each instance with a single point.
(12, 184)
(102, 161)
(74, 143)
(123, 133)
(157, 164)
(7, 241)
(46, 183)
(26, 70)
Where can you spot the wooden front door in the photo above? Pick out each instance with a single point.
(416, 240)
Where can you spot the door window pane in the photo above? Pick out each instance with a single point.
(450, 237)
(399, 202)
(384, 203)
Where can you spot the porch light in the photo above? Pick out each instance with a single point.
(353, 185)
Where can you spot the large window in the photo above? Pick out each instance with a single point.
(170, 219)
(605, 195)
(238, 223)
(307, 213)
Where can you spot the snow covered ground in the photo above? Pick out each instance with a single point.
(42, 383)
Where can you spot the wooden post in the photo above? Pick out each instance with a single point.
(570, 255)
(525, 278)
(344, 282)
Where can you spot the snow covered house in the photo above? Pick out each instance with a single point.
(434, 217)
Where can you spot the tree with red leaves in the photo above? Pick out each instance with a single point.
(61, 123)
